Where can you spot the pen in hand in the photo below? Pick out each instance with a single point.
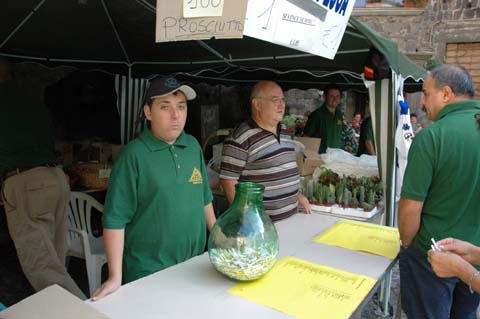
(435, 245)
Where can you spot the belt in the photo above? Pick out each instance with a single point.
(24, 169)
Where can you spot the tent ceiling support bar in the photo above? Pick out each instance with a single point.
(256, 80)
(147, 6)
(352, 51)
(354, 34)
(22, 23)
(115, 31)
(229, 73)
(343, 76)
(60, 60)
(211, 50)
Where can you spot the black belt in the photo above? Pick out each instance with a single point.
(23, 169)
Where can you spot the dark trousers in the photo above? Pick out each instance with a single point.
(424, 295)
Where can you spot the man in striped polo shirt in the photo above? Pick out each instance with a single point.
(259, 150)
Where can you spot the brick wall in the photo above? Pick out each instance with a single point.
(467, 55)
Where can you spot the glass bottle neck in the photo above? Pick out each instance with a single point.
(248, 194)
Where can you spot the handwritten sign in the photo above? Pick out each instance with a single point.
(306, 290)
(284, 23)
(172, 25)
(375, 239)
(202, 8)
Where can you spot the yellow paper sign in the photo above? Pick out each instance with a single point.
(375, 239)
(306, 290)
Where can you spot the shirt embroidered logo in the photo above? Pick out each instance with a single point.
(196, 177)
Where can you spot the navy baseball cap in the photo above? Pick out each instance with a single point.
(168, 85)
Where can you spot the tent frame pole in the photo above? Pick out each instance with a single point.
(114, 28)
(34, 10)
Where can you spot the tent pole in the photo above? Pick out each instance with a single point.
(120, 42)
(22, 23)
(130, 106)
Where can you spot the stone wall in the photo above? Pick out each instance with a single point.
(423, 33)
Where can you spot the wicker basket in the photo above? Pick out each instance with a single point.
(92, 175)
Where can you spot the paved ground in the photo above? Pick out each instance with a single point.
(15, 287)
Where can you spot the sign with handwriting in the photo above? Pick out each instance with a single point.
(172, 25)
(202, 8)
(375, 239)
(284, 23)
(306, 290)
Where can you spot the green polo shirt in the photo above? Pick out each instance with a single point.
(157, 193)
(26, 134)
(443, 172)
(327, 126)
(366, 134)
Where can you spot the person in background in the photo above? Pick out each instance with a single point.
(34, 191)
(416, 127)
(366, 144)
(440, 195)
(158, 204)
(356, 122)
(327, 122)
(259, 150)
(455, 259)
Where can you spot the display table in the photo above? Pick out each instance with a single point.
(194, 289)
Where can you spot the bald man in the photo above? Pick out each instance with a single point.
(259, 150)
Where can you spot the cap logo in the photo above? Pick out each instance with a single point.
(172, 83)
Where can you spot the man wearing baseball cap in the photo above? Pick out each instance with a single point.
(158, 204)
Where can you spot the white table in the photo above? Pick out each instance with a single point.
(194, 289)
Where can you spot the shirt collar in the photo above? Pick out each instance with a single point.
(326, 110)
(155, 144)
(457, 106)
(252, 123)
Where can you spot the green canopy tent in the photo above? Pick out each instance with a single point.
(118, 36)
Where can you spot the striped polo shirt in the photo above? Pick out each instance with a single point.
(252, 154)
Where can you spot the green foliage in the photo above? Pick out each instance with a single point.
(431, 63)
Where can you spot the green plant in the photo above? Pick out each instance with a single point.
(431, 63)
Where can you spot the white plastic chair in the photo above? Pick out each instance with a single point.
(81, 242)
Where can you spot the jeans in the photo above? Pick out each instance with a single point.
(424, 295)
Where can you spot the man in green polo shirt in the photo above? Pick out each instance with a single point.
(158, 204)
(326, 122)
(441, 195)
(366, 143)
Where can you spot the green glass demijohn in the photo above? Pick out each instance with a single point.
(243, 243)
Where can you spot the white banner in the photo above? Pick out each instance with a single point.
(283, 23)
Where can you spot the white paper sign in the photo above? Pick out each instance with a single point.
(283, 23)
(202, 8)
(104, 173)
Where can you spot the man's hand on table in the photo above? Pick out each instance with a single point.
(109, 286)
(303, 201)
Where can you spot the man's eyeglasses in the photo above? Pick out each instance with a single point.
(274, 99)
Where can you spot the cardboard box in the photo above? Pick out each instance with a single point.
(310, 159)
(87, 151)
(53, 302)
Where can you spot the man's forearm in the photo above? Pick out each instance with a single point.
(228, 186)
(113, 241)
(409, 213)
(370, 148)
(209, 216)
